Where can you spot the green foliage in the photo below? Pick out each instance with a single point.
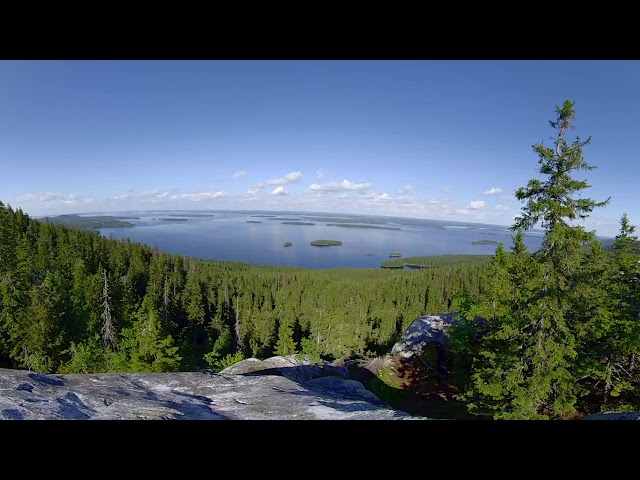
(541, 310)
(383, 387)
(76, 221)
(285, 345)
(86, 357)
(438, 260)
(324, 243)
(218, 364)
(148, 346)
(310, 349)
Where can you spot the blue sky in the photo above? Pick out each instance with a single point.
(427, 139)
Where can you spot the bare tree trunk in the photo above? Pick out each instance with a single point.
(238, 339)
(165, 302)
(108, 330)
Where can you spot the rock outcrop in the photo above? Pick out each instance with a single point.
(425, 330)
(613, 416)
(280, 388)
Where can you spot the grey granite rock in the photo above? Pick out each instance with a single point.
(613, 416)
(423, 331)
(281, 390)
(303, 368)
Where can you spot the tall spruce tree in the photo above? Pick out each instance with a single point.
(526, 364)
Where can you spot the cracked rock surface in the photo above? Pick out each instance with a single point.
(282, 388)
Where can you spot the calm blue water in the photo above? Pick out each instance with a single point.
(227, 236)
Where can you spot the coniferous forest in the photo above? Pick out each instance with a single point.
(542, 334)
(73, 301)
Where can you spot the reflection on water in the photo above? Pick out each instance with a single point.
(228, 236)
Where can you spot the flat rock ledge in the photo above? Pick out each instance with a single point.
(280, 388)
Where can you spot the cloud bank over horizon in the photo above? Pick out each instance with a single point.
(426, 139)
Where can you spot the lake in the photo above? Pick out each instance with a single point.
(228, 236)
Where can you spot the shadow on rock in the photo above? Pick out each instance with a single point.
(71, 408)
(46, 379)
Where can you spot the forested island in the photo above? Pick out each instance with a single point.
(485, 242)
(92, 223)
(288, 244)
(254, 221)
(325, 243)
(297, 223)
(174, 219)
(343, 220)
(358, 225)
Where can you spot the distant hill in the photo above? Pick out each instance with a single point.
(89, 223)
(608, 245)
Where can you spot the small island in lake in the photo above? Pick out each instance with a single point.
(297, 223)
(358, 225)
(325, 243)
(485, 242)
(254, 221)
(288, 244)
(174, 219)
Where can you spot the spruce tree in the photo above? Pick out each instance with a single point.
(619, 348)
(285, 345)
(526, 367)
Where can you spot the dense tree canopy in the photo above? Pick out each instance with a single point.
(560, 323)
(74, 301)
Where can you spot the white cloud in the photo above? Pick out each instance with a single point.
(240, 173)
(434, 201)
(405, 189)
(503, 207)
(493, 191)
(72, 199)
(196, 197)
(150, 193)
(292, 177)
(48, 197)
(40, 197)
(319, 173)
(467, 212)
(121, 197)
(338, 186)
(279, 191)
(476, 205)
(446, 189)
(380, 196)
(27, 197)
(464, 211)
